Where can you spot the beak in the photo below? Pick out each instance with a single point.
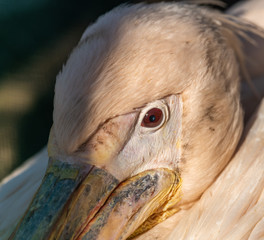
(80, 201)
(77, 200)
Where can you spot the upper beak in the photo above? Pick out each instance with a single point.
(76, 201)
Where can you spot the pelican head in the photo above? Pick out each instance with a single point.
(146, 115)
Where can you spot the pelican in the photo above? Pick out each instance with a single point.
(146, 137)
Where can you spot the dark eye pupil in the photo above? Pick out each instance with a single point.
(152, 118)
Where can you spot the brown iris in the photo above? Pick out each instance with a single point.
(152, 118)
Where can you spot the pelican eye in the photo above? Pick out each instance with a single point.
(152, 118)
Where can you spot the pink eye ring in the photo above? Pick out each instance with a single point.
(152, 118)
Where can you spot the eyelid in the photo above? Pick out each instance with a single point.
(160, 104)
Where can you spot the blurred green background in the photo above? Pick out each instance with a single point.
(36, 36)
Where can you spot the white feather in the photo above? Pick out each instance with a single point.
(17, 190)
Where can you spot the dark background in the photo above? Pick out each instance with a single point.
(36, 36)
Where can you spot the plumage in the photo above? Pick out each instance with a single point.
(232, 207)
(17, 190)
(187, 61)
